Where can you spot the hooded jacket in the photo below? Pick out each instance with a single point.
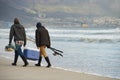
(42, 37)
(18, 32)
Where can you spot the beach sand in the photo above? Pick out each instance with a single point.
(31, 72)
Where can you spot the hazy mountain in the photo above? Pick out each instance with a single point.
(9, 9)
(30, 10)
(82, 7)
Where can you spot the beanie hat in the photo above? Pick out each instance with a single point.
(38, 25)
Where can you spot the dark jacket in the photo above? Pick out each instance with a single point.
(42, 37)
(18, 32)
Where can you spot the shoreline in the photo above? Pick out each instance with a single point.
(9, 72)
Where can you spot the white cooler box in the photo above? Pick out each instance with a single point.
(31, 54)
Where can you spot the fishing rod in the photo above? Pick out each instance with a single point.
(56, 51)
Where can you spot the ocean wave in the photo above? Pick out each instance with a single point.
(85, 31)
(85, 35)
(87, 40)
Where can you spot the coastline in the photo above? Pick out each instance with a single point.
(8, 72)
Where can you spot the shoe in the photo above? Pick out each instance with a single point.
(48, 61)
(48, 66)
(39, 61)
(14, 64)
(25, 65)
(37, 65)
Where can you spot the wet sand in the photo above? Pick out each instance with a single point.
(31, 72)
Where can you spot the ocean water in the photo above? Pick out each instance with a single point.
(86, 50)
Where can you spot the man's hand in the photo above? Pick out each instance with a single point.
(38, 47)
